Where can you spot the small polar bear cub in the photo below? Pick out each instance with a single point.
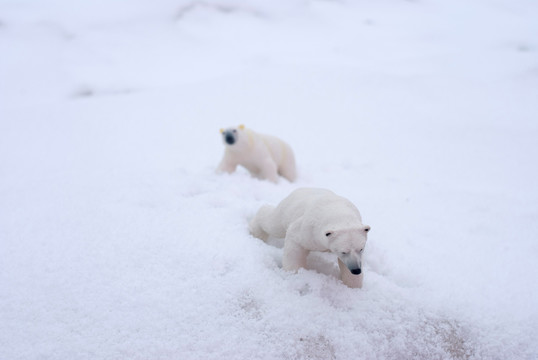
(312, 219)
(264, 156)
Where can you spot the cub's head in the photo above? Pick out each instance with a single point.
(232, 136)
(348, 245)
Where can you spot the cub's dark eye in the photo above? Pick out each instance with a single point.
(344, 253)
(328, 234)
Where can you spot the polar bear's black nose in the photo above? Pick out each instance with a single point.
(229, 138)
(356, 271)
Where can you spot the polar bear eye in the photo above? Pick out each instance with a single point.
(328, 234)
(344, 253)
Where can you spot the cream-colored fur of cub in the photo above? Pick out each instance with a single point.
(264, 156)
(312, 219)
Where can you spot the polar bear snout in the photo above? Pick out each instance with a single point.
(229, 136)
(353, 261)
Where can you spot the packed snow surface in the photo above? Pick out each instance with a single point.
(119, 241)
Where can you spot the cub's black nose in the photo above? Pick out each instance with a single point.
(229, 138)
(356, 271)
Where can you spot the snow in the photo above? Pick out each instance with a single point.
(119, 241)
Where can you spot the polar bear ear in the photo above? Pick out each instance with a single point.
(241, 127)
(366, 228)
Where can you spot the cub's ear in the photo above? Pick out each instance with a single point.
(241, 127)
(221, 131)
(366, 228)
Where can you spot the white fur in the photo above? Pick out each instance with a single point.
(264, 156)
(304, 219)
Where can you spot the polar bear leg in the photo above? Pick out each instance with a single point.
(294, 255)
(288, 172)
(287, 168)
(227, 165)
(352, 281)
(268, 170)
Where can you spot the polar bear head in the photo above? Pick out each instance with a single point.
(348, 245)
(234, 136)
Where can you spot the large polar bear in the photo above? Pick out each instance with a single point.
(264, 156)
(315, 220)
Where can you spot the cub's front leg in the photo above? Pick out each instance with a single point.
(268, 170)
(294, 256)
(227, 165)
